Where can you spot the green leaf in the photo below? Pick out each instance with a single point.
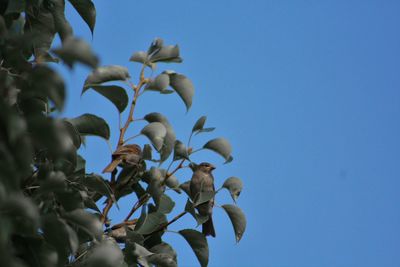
(165, 248)
(76, 50)
(85, 221)
(199, 124)
(237, 218)
(184, 87)
(198, 243)
(46, 82)
(140, 57)
(55, 182)
(147, 152)
(73, 133)
(162, 260)
(173, 183)
(98, 184)
(105, 254)
(165, 204)
(59, 234)
(160, 83)
(89, 124)
(156, 133)
(15, 6)
(87, 11)
(61, 24)
(150, 222)
(169, 138)
(203, 197)
(220, 146)
(180, 151)
(205, 130)
(106, 74)
(186, 187)
(116, 94)
(166, 54)
(234, 185)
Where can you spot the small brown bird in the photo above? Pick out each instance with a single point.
(128, 154)
(203, 181)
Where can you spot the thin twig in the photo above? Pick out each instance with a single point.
(119, 225)
(141, 201)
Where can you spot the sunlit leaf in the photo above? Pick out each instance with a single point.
(234, 185)
(220, 146)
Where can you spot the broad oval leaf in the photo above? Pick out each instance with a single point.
(220, 146)
(116, 94)
(156, 133)
(106, 74)
(139, 56)
(237, 218)
(165, 204)
(85, 221)
(160, 83)
(105, 254)
(151, 222)
(234, 185)
(87, 11)
(76, 50)
(198, 243)
(184, 87)
(89, 124)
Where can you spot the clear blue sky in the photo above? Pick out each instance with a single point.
(308, 93)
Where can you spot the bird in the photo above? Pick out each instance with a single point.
(128, 155)
(203, 181)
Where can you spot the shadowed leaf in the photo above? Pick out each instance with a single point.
(106, 74)
(86, 221)
(237, 218)
(89, 124)
(165, 204)
(198, 243)
(156, 133)
(76, 50)
(184, 87)
(116, 94)
(87, 11)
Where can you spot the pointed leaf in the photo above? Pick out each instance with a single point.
(89, 124)
(116, 94)
(87, 11)
(184, 87)
(205, 130)
(106, 74)
(199, 124)
(156, 133)
(198, 243)
(237, 218)
(147, 152)
(220, 146)
(234, 185)
(160, 83)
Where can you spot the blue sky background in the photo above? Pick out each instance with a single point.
(308, 93)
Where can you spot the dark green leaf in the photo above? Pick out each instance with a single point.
(106, 74)
(98, 184)
(186, 187)
(203, 197)
(151, 222)
(76, 50)
(61, 24)
(180, 151)
(200, 219)
(234, 185)
(165, 204)
(237, 218)
(105, 254)
(160, 83)
(73, 133)
(89, 124)
(55, 182)
(220, 146)
(87, 11)
(198, 243)
(156, 133)
(86, 221)
(58, 233)
(199, 124)
(116, 94)
(183, 86)
(147, 152)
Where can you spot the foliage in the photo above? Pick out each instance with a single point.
(51, 212)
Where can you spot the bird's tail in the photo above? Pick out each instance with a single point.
(208, 228)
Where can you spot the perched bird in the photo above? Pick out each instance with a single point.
(203, 181)
(127, 155)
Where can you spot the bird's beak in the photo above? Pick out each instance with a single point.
(212, 167)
